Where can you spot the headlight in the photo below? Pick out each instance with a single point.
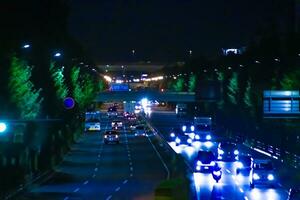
(212, 163)
(220, 151)
(197, 137)
(236, 152)
(199, 162)
(192, 128)
(255, 176)
(189, 141)
(239, 165)
(270, 177)
(217, 173)
(208, 137)
(116, 136)
(198, 168)
(177, 140)
(183, 128)
(105, 136)
(172, 135)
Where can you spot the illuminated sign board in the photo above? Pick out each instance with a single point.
(281, 104)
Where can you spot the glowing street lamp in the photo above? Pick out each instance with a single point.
(57, 54)
(26, 46)
(3, 127)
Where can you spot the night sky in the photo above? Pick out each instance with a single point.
(164, 30)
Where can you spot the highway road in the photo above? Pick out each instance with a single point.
(230, 187)
(94, 170)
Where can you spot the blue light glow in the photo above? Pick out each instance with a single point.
(3, 127)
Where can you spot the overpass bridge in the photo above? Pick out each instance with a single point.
(109, 96)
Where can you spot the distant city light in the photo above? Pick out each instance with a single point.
(57, 54)
(26, 46)
(107, 78)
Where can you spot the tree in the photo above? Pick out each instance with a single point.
(84, 88)
(178, 87)
(291, 81)
(233, 89)
(59, 81)
(22, 91)
(248, 100)
(192, 83)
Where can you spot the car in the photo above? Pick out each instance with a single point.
(140, 130)
(262, 173)
(182, 137)
(244, 164)
(111, 137)
(116, 124)
(92, 124)
(133, 126)
(294, 194)
(205, 161)
(228, 151)
(112, 112)
(188, 128)
(201, 135)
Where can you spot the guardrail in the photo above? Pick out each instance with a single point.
(273, 152)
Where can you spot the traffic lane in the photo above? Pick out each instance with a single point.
(189, 153)
(76, 166)
(141, 164)
(147, 170)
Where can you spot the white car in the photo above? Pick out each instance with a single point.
(117, 124)
(92, 125)
(262, 173)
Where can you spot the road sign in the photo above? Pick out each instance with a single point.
(281, 104)
(69, 103)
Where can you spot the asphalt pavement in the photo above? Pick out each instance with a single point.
(94, 170)
(231, 186)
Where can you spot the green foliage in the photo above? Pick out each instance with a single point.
(84, 88)
(178, 87)
(291, 81)
(233, 89)
(59, 81)
(220, 76)
(192, 83)
(101, 85)
(22, 91)
(248, 99)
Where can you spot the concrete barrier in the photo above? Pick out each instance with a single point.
(173, 189)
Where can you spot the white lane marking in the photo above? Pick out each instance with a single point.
(227, 170)
(76, 190)
(94, 175)
(130, 163)
(66, 198)
(162, 161)
(131, 175)
(246, 198)
(131, 168)
(86, 182)
(124, 182)
(129, 155)
(96, 169)
(242, 191)
(109, 197)
(99, 156)
(117, 189)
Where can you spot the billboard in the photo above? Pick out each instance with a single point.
(119, 87)
(281, 104)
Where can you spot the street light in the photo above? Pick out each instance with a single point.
(3, 127)
(57, 54)
(26, 46)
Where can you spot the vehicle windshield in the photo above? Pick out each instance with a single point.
(205, 156)
(140, 127)
(112, 109)
(202, 127)
(92, 120)
(245, 160)
(263, 166)
(227, 146)
(111, 133)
